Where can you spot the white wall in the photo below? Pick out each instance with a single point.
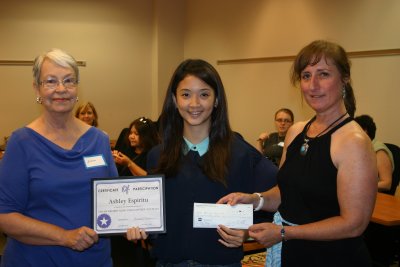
(234, 29)
(132, 47)
(113, 37)
(168, 53)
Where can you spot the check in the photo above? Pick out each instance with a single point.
(121, 203)
(206, 215)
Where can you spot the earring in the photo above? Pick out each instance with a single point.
(344, 91)
(77, 99)
(216, 103)
(39, 100)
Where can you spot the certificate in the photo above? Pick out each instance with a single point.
(206, 215)
(133, 201)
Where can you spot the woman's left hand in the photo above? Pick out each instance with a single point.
(120, 158)
(231, 238)
(135, 233)
(267, 234)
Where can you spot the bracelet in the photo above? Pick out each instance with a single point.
(260, 203)
(283, 232)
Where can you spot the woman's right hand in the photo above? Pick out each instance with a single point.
(239, 198)
(263, 136)
(120, 158)
(81, 238)
(135, 233)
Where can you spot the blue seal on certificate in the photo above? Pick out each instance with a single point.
(103, 220)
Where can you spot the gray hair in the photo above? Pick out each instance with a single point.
(57, 56)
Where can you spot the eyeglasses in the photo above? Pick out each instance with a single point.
(283, 120)
(52, 83)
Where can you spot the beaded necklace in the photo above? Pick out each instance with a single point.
(305, 145)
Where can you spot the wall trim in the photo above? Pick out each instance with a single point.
(354, 54)
(29, 63)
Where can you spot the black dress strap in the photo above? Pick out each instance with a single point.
(348, 119)
(345, 121)
(308, 125)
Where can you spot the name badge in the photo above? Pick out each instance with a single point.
(94, 161)
(281, 144)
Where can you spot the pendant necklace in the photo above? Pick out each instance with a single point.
(305, 145)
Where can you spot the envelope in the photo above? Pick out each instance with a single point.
(207, 215)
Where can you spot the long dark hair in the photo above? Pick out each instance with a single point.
(367, 124)
(148, 134)
(216, 160)
(313, 53)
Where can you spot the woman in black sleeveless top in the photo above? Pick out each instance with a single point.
(327, 179)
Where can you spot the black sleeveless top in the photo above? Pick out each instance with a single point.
(308, 194)
(308, 183)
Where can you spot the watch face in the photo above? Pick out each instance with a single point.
(283, 233)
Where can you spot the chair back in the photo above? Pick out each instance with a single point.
(396, 172)
(122, 143)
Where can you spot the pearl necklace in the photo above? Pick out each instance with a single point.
(305, 145)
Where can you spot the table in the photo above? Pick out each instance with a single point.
(255, 254)
(387, 210)
(252, 246)
(382, 234)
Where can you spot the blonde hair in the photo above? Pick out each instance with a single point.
(86, 106)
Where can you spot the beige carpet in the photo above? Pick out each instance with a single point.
(254, 260)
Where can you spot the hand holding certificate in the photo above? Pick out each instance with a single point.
(119, 204)
(206, 215)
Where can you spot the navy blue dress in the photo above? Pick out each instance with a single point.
(248, 171)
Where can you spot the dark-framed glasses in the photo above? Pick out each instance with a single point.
(283, 120)
(53, 83)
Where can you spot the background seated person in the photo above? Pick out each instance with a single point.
(143, 135)
(384, 156)
(271, 145)
(87, 113)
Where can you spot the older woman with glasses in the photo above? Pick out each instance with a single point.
(271, 145)
(45, 176)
